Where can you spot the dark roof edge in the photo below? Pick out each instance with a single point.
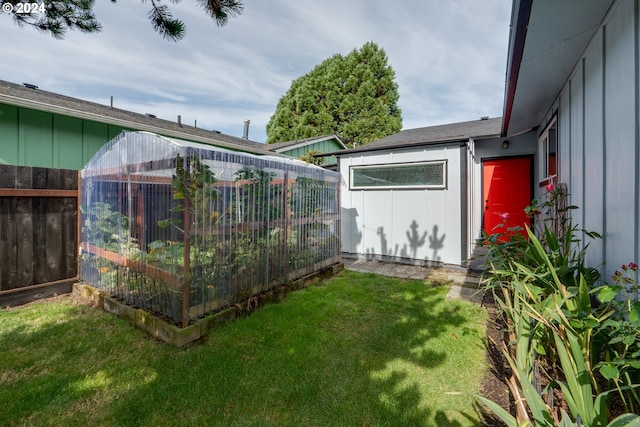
(457, 139)
(101, 118)
(364, 148)
(513, 70)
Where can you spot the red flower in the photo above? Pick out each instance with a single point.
(633, 265)
(550, 187)
(504, 216)
(624, 266)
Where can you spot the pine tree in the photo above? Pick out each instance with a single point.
(56, 17)
(353, 96)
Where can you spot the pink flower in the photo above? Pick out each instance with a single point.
(633, 265)
(550, 187)
(504, 216)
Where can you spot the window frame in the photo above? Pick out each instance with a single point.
(550, 132)
(443, 186)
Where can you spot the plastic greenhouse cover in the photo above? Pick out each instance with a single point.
(130, 148)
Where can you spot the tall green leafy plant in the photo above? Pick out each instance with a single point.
(194, 188)
(546, 293)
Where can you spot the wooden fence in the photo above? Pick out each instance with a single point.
(38, 232)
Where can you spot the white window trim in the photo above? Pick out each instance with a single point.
(442, 186)
(543, 146)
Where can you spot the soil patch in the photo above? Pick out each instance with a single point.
(494, 385)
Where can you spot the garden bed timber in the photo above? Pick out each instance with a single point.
(166, 331)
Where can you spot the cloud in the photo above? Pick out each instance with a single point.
(449, 58)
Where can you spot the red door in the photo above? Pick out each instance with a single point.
(506, 187)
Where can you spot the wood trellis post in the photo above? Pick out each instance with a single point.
(186, 214)
(287, 219)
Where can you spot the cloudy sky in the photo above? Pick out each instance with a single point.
(449, 58)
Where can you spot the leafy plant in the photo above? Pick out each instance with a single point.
(107, 228)
(547, 295)
(621, 334)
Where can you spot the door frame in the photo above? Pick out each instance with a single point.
(492, 158)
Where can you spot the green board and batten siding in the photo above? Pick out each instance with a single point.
(326, 146)
(41, 139)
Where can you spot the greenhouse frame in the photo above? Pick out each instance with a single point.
(183, 229)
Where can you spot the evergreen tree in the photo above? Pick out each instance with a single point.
(57, 16)
(353, 96)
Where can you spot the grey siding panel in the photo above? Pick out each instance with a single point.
(577, 141)
(593, 207)
(620, 118)
(564, 136)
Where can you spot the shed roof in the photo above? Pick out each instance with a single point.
(453, 132)
(37, 99)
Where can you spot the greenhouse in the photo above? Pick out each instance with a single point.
(183, 229)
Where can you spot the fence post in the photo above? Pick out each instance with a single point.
(79, 224)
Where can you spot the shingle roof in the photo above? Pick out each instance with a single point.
(15, 94)
(462, 131)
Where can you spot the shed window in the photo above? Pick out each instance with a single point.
(406, 175)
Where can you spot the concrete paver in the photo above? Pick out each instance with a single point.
(462, 284)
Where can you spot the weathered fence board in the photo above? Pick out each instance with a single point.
(38, 226)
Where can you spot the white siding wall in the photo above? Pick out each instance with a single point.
(410, 225)
(593, 202)
(598, 138)
(576, 146)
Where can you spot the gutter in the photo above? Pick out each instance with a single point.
(513, 68)
(364, 148)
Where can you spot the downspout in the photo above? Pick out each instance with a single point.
(471, 202)
(464, 205)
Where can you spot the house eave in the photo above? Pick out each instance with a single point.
(547, 39)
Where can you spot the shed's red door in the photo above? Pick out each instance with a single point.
(506, 187)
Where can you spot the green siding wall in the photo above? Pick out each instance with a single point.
(8, 134)
(37, 138)
(67, 135)
(326, 146)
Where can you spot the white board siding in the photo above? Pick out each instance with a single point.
(602, 176)
(593, 205)
(620, 119)
(564, 135)
(577, 145)
(393, 222)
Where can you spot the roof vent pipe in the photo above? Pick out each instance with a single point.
(179, 120)
(245, 134)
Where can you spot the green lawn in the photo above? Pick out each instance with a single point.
(358, 350)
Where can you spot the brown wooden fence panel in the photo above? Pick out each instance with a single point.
(38, 226)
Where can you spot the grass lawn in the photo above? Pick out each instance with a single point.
(358, 350)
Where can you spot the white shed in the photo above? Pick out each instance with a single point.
(420, 196)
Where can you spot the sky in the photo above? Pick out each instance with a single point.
(449, 58)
